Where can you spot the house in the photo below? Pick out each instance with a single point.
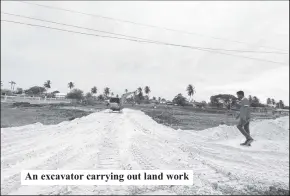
(60, 95)
(271, 105)
(281, 111)
(154, 101)
(197, 104)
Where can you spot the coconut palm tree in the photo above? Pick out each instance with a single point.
(47, 84)
(12, 83)
(273, 101)
(147, 90)
(139, 90)
(269, 101)
(190, 91)
(281, 104)
(250, 99)
(94, 90)
(112, 94)
(126, 90)
(106, 91)
(71, 85)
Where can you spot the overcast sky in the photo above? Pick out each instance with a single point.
(32, 55)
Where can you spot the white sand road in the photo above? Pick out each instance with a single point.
(132, 140)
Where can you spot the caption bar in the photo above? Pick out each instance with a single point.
(107, 177)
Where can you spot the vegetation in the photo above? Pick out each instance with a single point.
(218, 101)
(101, 98)
(88, 95)
(280, 104)
(75, 94)
(221, 100)
(190, 91)
(71, 85)
(179, 100)
(6, 92)
(35, 90)
(47, 84)
(12, 83)
(106, 91)
(19, 91)
(94, 90)
(147, 90)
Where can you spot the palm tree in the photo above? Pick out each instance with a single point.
(281, 104)
(94, 90)
(47, 84)
(147, 90)
(71, 85)
(12, 83)
(140, 90)
(159, 99)
(250, 99)
(112, 94)
(126, 90)
(190, 90)
(106, 91)
(117, 96)
(273, 101)
(269, 101)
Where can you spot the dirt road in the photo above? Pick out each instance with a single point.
(133, 141)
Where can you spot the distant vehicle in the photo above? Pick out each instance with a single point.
(116, 104)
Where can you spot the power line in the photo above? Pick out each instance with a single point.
(141, 41)
(64, 24)
(146, 25)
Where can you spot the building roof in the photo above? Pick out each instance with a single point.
(282, 110)
(60, 94)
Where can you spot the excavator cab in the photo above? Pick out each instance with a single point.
(116, 104)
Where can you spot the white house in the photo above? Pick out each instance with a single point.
(60, 95)
(281, 111)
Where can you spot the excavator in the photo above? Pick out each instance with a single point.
(117, 104)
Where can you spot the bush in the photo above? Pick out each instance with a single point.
(75, 94)
(179, 100)
(35, 90)
(6, 92)
(19, 91)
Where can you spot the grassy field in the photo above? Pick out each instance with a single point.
(176, 117)
(13, 115)
(189, 118)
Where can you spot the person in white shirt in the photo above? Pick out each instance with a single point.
(244, 118)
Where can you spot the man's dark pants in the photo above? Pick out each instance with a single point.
(244, 127)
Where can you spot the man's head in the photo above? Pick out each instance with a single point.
(240, 94)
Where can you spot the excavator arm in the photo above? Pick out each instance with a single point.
(123, 98)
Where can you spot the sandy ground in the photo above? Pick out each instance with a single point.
(132, 140)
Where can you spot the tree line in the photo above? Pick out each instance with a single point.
(141, 95)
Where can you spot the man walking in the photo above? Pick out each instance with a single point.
(244, 118)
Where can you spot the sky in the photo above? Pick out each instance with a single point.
(32, 55)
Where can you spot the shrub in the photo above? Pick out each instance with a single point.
(75, 94)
